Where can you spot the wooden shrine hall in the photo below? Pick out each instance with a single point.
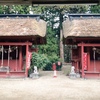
(17, 35)
(82, 32)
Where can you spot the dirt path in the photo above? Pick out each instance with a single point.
(49, 88)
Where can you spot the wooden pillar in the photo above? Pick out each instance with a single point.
(27, 49)
(77, 67)
(77, 61)
(20, 58)
(72, 57)
(82, 51)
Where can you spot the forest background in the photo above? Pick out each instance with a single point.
(54, 50)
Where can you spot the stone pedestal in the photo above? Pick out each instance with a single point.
(34, 75)
(4, 69)
(78, 75)
(72, 75)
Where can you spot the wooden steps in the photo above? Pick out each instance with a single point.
(92, 74)
(12, 74)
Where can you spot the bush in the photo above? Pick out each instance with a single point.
(39, 60)
(42, 61)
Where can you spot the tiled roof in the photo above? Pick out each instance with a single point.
(22, 27)
(89, 27)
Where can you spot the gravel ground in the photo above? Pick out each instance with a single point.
(46, 87)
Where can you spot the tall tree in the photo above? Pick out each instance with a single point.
(51, 47)
(54, 15)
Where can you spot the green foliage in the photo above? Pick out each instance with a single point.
(39, 60)
(51, 48)
(77, 9)
(14, 9)
(95, 9)
(1, 10)
(20, 9)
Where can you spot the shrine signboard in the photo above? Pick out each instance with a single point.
(29, 58)
(85, 61)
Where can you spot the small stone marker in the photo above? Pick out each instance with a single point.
(72, 73)
(35, 74)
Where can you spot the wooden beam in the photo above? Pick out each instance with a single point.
(28, 2)
(15, 43)
(64, 1)
(89, 44)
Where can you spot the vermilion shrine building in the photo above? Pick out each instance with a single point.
(82, 32)
(17, 35)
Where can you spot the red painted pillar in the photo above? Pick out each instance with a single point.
(20, 58)
(27, 49)
(82, 51)
(88, 59)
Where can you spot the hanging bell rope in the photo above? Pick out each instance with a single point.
(16, 56)
(94, 49)
(97, 50)
(9, 50)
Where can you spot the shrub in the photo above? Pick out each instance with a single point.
(39, 60)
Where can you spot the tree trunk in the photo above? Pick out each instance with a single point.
(61, 46)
